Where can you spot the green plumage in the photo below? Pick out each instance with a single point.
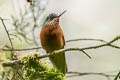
(49, 18)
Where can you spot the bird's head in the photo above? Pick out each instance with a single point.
(53, 17)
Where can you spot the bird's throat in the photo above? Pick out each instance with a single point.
(52, 25)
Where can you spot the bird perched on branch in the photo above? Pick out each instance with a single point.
(52, 39)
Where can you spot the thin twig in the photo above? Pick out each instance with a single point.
(34, 26)
(86, 39)
(8, 37)
(91, 39)
(27, 49)
(90, 73)
(87, 54)
(117, 76)
(16, 37)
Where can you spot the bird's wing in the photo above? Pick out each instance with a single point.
(63, 41)
(63, 38)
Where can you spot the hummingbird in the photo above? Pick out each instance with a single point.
(52, 39)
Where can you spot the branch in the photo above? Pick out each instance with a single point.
(65, 50)
(15, 62)
(7, 32)
(73, 40)
(85, 39)
(87, 54)
(90, 73)
(11, 63)
(2, 20)
(27, 49)
(117, 76)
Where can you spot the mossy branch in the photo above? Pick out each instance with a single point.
(32, 62)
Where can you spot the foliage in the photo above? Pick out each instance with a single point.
(35, 69)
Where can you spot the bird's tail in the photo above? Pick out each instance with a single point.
(59, 62)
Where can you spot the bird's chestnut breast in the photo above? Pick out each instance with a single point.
(51, 38)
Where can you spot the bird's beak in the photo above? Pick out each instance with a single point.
(62, 13)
